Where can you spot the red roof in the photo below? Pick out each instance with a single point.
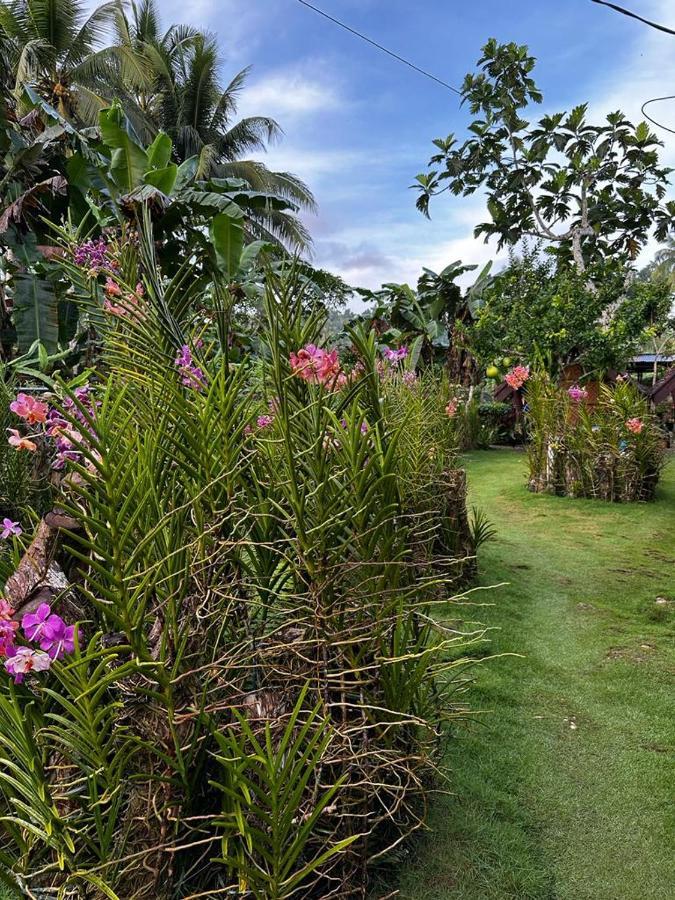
(664, 389)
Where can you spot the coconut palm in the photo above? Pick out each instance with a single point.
(187, 100)
(665, 260)
(56, 47)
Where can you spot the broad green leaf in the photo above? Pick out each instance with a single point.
(129, 162)
(35, 312)
(163, 179)
(186, 173)
(227, 237)
(159, 151)
(252, 251)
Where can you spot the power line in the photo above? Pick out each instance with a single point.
(373, 43)
(653, 121)
(627, 12)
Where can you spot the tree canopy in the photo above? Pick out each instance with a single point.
(535, 310)
(592, 191)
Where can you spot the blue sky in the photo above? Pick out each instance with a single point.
(358, 125)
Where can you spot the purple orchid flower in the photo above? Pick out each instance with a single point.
(10, 528)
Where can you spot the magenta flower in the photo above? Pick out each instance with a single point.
(10, 528)
(191, 376)
(264, 421)
(92, 255)
(194, 378)
(395, 356)
(577, 394)
(34, 624)
(184, 357)
(59, 638)
(50, 631)
(25, 660)
(8, 629)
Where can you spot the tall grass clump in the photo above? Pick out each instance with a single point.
(610, 449)
(257, 562)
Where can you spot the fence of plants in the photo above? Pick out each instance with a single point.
(611, 449)
(225, 664)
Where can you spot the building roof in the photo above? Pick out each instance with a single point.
(653, 358)
(664, 389)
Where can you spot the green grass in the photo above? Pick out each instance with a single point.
(564, 787)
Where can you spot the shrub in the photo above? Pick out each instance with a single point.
(611, 449)
(261, 683)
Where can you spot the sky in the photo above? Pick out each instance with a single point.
(358, 126)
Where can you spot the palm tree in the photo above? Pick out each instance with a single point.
(55, 47)
(665, 260)
(187, 100)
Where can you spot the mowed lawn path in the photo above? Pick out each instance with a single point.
(565, 786)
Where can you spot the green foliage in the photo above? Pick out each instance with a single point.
(537, 311)
(112, 183)
(35, 312)
(482, 529)
(595, 192)
(264, 781)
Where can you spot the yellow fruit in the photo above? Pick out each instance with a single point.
(492, 372)
(506, 362)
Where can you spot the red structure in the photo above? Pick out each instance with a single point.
(664, 390)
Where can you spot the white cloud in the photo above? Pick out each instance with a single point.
(646, 71)
(313, 166)
(397, 246)
(292, 94)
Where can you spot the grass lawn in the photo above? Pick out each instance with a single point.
(565, 787)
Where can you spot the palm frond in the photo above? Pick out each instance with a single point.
(252, 133)
(92, 31)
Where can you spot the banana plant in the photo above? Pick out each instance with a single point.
(427, 318)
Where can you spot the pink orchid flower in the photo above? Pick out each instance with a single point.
(517, 377)
(452, 407)
(25, 660)
(20, 442)
(29, 409)
(577, 394)
(395, 355)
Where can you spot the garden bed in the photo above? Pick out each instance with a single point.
(225, 668)
(610, 449)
